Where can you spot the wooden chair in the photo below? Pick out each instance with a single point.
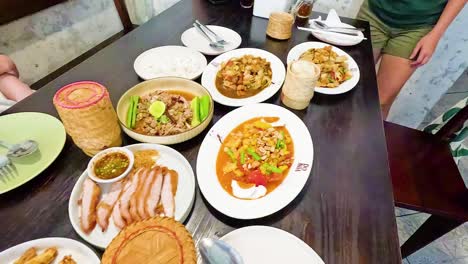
(426, 178)
(124, 16)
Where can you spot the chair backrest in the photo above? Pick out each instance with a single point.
(123, 14)
(455, 124)
(450, 127)
(15, 9)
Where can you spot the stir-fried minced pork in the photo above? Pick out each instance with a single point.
(178, 114)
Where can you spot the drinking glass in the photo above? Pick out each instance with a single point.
(246, 3)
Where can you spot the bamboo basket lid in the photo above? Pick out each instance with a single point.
(159, 240)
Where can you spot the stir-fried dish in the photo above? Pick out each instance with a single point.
(243, 77)
(255, 153)
(334, 69)
(163, 113)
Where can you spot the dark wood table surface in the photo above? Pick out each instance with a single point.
(345, 212)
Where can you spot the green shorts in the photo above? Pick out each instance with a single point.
(393, 41)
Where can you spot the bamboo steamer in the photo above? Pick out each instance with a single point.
(88, 116)
(280, 25)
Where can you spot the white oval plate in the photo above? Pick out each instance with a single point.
(337, 38)
(193, 39)
(162, 62)
(184, 198)
(297, 51)
(65, 246)
(278, 198)
(264, 244)
(278, 75)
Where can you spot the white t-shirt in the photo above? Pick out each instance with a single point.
(5, 103)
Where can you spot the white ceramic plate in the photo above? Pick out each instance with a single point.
(278, 74)
(65, 246)
(173, 61)
(337, 38)
(184, 198)
(193, 39)
(278, 198)
(297, 51)
(333, 20)
(264, 244)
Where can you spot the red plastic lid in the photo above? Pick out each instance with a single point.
(80, 94)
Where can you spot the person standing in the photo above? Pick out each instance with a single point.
(405, 34)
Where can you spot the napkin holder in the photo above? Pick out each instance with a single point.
(263, 8)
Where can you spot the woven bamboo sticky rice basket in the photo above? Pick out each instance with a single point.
(88, 116)
(280, 25)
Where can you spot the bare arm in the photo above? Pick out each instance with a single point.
(451, 10)
(7, 66)
(427, 45)
(12, 88)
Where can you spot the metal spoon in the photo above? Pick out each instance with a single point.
(215, 251)
(21, 149)
(324, 26)
(213, 43)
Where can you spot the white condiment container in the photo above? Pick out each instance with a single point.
(263, 8)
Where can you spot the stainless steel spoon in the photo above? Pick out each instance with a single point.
(21, 149)
(324, 26)
(215, 251)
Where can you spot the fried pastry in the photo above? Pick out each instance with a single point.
(27, 255)
(45, 257)
(67, 260)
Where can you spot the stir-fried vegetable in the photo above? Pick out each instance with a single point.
(255, 152)
(333, 68)
(244, 76)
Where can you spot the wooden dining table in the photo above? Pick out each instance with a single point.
(345, 212)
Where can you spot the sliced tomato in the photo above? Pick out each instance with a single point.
(275, 177)
(257, 178)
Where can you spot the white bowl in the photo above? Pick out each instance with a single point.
(101, 154)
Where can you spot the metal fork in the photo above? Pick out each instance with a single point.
(218, 39)
(5, 166)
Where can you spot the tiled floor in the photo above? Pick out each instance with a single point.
(453, 247)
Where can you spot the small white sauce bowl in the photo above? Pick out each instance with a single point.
(101, 154)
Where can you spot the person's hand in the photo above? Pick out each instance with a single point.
(8, 66)
(423, 51)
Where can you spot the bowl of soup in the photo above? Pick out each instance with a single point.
(110, 165)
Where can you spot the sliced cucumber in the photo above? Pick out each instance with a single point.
(204, 107)
(195, 106)
(128, 121)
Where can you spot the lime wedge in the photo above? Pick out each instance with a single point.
(157, 109)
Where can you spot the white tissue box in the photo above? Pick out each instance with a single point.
(263, 8)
